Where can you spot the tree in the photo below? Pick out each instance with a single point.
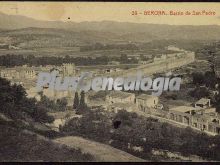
(217, 101)
(124, 58)
(40, 115)
(210, 79)
(124, 117)
(16, 105)
(82, 100)
(76, 101)
(199, 92)
(142, 57)
(198, 78)
(82, 104)
(62, 104)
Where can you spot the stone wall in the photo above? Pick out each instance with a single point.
(159, 66)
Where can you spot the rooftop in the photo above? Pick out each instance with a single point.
(203, 101)
(182, 109)
(119, 94)
(123, 105)
(145, 97)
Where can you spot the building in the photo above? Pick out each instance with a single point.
(13, 47)
(214, 124)
(20, 72)
(110, 70)
(200, 121)
(113, 63)
(173, 48)
(28, 73)
(33, 93)
(160, 58)
(181, 114)
(115, 107)
(68, 69)
(202, 116)
(120, 97)
(4, 46)
(203, 103)
(141, 62)
(9, 73)
(160, 66)
(144, 101)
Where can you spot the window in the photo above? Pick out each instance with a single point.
(195, 125)
(172, 116)
(217, 130)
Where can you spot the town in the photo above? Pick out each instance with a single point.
(54, 81)
(110, 85)
(201, 116)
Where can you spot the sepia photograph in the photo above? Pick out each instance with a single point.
(109, 81)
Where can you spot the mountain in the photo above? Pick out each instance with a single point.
(51, 37)
(108, 30)
(18, 22)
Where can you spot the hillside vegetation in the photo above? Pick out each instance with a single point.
(22, 120)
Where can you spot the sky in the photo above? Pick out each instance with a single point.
(114, 11)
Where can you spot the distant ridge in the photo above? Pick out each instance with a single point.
(126, 30)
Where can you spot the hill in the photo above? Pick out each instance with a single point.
(110, 30)
(24, 145)
(50, 37)
(25, 135)
(101, 152)
(22, 126)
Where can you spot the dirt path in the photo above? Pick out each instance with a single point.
(100, 151)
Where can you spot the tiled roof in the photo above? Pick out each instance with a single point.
(145, 97)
